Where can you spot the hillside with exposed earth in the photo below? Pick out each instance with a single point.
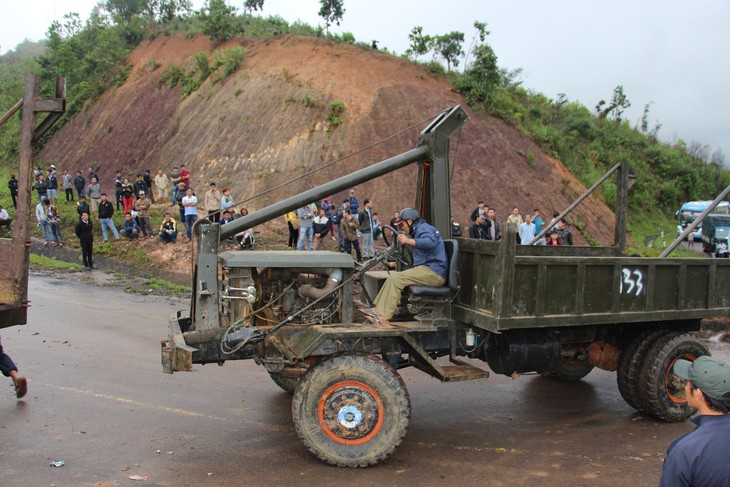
(267, 123)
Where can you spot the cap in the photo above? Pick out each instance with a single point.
(407, 214)
(709, 375)
(141, 192)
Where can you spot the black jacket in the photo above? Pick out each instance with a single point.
(82, 207)
(52, 182)
(13, 186)
(477, 231)
(41, 187)
(83, 231)
(106, 209)
(79, 182)
(488, 231)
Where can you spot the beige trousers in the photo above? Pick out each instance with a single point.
(389, 296)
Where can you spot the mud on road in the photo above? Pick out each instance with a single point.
(98, 400)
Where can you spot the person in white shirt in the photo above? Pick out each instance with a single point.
(190, 203)
(527, 230)
(5, 219)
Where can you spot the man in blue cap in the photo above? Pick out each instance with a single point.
(702, 457)
(430, 265)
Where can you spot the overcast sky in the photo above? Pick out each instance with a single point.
(673, 53)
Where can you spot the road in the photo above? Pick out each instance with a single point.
(99, 401)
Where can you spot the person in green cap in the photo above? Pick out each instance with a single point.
(702, 457)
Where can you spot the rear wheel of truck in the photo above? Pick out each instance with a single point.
(288, 384)
(662, 392)
(630, 367)
(351, 410)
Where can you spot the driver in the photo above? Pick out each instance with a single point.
(430, 265)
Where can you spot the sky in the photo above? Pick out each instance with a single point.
(673, 54)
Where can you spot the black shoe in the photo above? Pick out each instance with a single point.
(92, 267)
(87, 268)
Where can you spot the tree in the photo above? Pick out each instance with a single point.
(619, 103)
(217, 17)
(448, 46)
(251, 5)
(482, 33)
(331, 11)
(420, 43)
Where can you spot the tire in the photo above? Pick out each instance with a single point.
(288, 384)
(662, 393)
(570, 370)
(630, 367)
(351, 410)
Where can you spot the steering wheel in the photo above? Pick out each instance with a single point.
(392, 249)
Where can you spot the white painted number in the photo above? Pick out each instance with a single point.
(633, 279)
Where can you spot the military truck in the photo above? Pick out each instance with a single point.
(557, 311)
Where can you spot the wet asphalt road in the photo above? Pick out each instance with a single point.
(99, 401)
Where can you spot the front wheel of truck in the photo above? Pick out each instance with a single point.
(351, 410)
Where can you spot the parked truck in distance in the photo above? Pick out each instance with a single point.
(715, 229)
(556, 311)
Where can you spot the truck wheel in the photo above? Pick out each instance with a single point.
(630, 365)
(662, 391)
(351, 410)
(286, 383)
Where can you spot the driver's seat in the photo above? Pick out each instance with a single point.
(429, 301)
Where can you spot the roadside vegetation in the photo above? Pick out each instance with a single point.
(588, 140)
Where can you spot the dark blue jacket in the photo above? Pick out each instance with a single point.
(701, 457)
(429, 249)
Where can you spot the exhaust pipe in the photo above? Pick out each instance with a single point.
(309, 291)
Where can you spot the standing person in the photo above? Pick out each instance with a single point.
(86, 238)
(184, 175)
(161, 185)
(366, 229)
(226, 201)
(339, 216)
(82, 206)
(515, 219)
(430, 265)
(91, 174)
(41, 186)
(79, 184)
(179, 195)
(479, 210)
(320, 226)
(168, 229)
(142, 207)
(539, 223)
(8, 368)
(127, 196)
(93, 191)
(212, 202)
(306, 215)
(175, 180)
(190, 202)
(13, 187)
(118, 182)
(41, 215)
(148, 181)
(106, 211)
(354, 203)
(292, 221)
(477, 229)
(564, 235)
(527, 230)
(139, 185)
(702, 457)
(52, 185)
(349, 226)
(328, 208)
(494, 229)
(553, 240)
(68, 185)
(54, 224)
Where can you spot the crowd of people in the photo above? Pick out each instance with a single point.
(485, 225)
(347, 226)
